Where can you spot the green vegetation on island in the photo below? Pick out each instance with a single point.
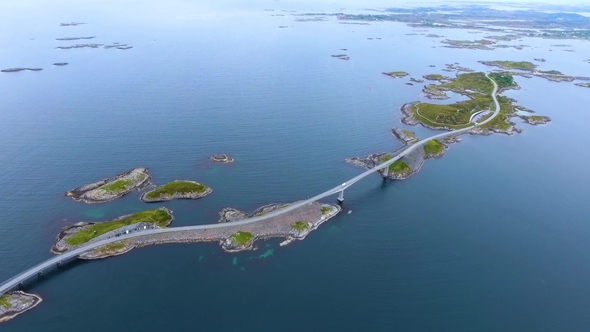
(504, 80)
(433, 148)
(300, 225)
(434, 77)
(478, 88)
(4, 301)
(583, 85)
(177, 189)
(399, 166)
(158, 217)
(242, 238)
(396, 74)
(326, 210)
(520, 65)
(119, 185)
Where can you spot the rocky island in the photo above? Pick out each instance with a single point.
(177, 189)
(14, 70)
(74, 236)
(408, 164)
(61, 64)
(15, 303)
(108, 189)
(396, 74)
(530, 69)
(222, 158)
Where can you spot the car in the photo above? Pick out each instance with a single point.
(344, 184)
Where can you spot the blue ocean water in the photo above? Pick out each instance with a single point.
(492, 237)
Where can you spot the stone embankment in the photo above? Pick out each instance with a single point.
(178, 195)
(101, 191)
(62, 246)
(15, 303)
(222, 158)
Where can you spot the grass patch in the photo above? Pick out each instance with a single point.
(470, 81)
(300, 225)
(433, 147)
(399, 166)
(326, 209)
(176, 187)
(504, 80)
(410, 134)
(434, 77)
(537, 118)
(158, 217)
(242, 238)
(4, 301)
(119, 185)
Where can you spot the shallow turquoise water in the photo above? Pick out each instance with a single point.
(494, 236)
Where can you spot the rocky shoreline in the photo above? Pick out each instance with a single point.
(62, 246)
(177, 195)
(278, 226)
(15, 303)
(134, 179)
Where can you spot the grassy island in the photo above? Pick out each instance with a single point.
(434, 77)
(433, 148)
(399, 166)
(242, 238)
(300, 225)
(176, 189)
(158, 217)
(478, 88)
(519, 65)
(396, 74)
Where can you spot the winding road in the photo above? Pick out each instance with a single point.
(14, 282)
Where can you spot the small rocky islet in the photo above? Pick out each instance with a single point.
(221, 158)
(15, 303)
(108, 189)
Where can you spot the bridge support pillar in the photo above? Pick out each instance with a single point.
(341, 197)
(385, 172)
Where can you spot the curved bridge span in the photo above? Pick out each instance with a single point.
(17, 280)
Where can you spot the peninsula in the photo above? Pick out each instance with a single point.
(108, 189)
(177, 189)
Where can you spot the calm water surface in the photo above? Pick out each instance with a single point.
(493, 237)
